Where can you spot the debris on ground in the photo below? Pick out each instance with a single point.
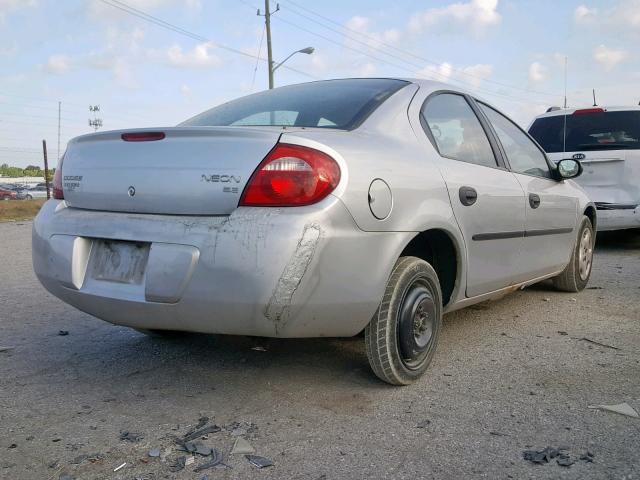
(13, 445)
(599, 343)
(595, 288)
(216, 459)
(196, 447)
(201, 433)
(621, 408)
(120, 467)
(258, 461)
(562, 332)
(63, 333)
(242, 447)
(259, 349)
(546, 299)
(154, 452)
(541, 456)
(179, 464)
(587, 457)
(560, 454)
(6, 349)
(565, 460)
(132, 437)
(189, 461)
(423, 424)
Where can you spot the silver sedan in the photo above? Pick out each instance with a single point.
(315, 210)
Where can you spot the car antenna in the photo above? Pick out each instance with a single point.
(594, 98)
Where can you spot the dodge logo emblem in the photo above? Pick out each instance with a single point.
(131, 191)
(579, 156)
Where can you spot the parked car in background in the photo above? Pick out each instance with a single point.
(314, 210)
(6, 194)
(39, 191)
(607, 142)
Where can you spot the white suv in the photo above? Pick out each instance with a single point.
(606, 140)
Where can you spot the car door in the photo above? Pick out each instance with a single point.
(487, 200)
(551, 206)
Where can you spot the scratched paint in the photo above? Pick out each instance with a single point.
(277, 310)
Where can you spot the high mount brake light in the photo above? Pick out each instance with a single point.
(58, 193)
(291, 175)
(588, 111)
(142, 136)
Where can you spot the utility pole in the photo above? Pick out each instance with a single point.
(267, 23)
(96, 123)
(59, 107)
(46, 168)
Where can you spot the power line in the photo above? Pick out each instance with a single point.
(399, 50)
(255, 69)
(406, 69)
(194, 36)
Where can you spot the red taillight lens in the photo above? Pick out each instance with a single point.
(58, 194)
(142, 136)
(588, 111)
(291, 175)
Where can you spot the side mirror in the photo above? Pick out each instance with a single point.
(568, 168)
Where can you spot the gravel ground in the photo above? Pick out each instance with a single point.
(509, 375)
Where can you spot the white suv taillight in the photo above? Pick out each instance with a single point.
(291, 175)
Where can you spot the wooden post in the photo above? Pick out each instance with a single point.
(46, 168)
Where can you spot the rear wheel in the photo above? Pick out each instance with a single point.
(576, 275)
(402, 336)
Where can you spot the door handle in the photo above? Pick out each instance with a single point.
(534, 200)
(468, 196)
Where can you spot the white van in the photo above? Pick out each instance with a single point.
(606, 140)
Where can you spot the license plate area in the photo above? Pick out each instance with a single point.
(119, 261)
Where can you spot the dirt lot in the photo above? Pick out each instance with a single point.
(509, 376)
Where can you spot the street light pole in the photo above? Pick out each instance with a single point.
(308, 51)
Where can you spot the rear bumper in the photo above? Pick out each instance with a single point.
(611, 218)
(306, 271)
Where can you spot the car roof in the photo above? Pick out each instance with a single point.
(569, 111)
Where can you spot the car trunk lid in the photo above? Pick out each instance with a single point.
(178, 170)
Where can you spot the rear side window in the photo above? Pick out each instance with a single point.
(588, 131)
(339, 104)
(457, 131)
(523, 154)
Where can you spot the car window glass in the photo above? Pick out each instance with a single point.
(339, 104)
(285, 118)
(588, 129)
(523, 155)
(457, 131)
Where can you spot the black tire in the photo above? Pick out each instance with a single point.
(29, 197)
(402, 336)
(576, 275)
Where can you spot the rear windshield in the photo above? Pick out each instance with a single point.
(590, 131)
(341, 104)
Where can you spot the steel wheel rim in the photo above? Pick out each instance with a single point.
(416, 322)
(585, 254)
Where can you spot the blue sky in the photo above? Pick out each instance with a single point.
(85, 52)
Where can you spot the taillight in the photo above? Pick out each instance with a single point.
(142, 136)
(58, 194)
(291, 175)
(588, 111)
